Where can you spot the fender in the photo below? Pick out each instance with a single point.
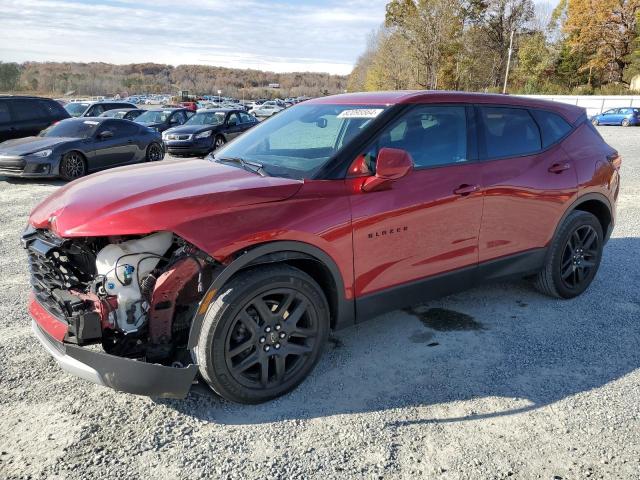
(579, 201)
(345, 308)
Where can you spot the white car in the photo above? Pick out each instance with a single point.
(265, 110)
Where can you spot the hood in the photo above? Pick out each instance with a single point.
(24, 146)
(146, 198)
(191, 129)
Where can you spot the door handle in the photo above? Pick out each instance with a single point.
(559, 167)
(464, 189)
(129, 141)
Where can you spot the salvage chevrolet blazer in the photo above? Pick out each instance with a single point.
(329, 213)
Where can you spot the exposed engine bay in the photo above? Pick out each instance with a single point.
(135, 295)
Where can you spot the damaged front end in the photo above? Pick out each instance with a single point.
(117, 310)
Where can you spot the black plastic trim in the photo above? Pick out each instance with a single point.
(437, 286)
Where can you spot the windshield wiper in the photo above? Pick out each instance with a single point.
(254, 167)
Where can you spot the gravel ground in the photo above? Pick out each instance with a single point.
(521, 386)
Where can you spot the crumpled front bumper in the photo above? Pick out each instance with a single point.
(124, 374)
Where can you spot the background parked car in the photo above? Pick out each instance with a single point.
(193, 106)
(76, 146)
(207, 130)
(24, 116)
(124, 113)
(265, 110)
(618, 116)
(93, 109)
(161, 119)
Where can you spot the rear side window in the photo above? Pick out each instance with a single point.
(509, 132)
(26, 110)
(553, 127)
(52, 108)
(5, 116)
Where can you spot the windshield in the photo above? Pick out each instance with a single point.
(76, 109)
(206, 118)
(154, 116)
(299, 141)
(71, 129)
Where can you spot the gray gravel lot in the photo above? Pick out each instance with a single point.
(524, 387)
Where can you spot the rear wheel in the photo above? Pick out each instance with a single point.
(155, 153)
(72, 166)
(574, 257)
(626, 122)
(264, 334)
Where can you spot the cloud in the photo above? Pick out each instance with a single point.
(281, 35)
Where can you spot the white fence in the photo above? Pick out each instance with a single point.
(593, 104)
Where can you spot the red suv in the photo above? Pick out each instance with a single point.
(327, 214)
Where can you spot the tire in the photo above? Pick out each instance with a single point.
(626, 122)
(595, 122)
(574, 257)
(155, 153)
(250, 350)
(73, 165)
(219, 142)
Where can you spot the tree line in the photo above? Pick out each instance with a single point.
(579, 47)
(91, 79)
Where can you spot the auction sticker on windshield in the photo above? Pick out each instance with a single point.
(90, 122)
(361, 113)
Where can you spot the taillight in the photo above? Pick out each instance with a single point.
(615, 160)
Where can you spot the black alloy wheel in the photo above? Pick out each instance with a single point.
(155, 153)
(220, 141)
(573, 257)
(264, 334)
(270, 338)
(72, 166)
(581, 252)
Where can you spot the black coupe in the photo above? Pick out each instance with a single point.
(77, 146)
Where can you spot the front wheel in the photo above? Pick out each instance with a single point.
(72, 166)
(220, 141)
(264, 334)
(595, 122)
(574, 257)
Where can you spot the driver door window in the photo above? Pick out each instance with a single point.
(434, 136)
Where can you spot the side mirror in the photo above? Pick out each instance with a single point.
(391, 164)
(105, 134)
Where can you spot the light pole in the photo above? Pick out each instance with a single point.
(506, 75)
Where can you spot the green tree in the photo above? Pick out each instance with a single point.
(9, 76)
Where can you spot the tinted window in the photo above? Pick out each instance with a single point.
(233, 119)
(553, 127)
(119, 129)
(433, 135)
(509, 132)
(25, 110)
(96, 110)
(52, 108)
(4, 112)
(246, 118)
(178, 117)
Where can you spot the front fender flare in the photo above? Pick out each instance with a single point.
(345, 308)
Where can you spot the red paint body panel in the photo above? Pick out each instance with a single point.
(523, 202)
(148, 198)
(438, 230)
(50, 324)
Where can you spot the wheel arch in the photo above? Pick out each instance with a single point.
(308, 258)
(595, 203)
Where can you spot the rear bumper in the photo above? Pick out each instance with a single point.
(123, 374)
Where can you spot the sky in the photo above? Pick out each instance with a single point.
(274, 35)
